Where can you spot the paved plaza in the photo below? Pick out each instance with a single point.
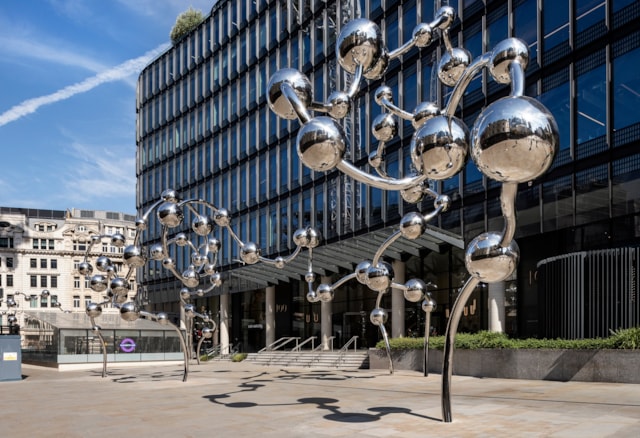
(242, 399)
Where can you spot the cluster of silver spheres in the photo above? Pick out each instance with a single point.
(513, 140)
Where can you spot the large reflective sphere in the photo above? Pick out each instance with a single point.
(379, 277)
(119, 286)
(93, 310)
(250, 253)
(156, 252)
(133, 256)
(118, 240)
(190, 277)
(215, 279)
(439, 148)
(170, 195)
(103, 263)
(503, 54)
(129, 311)
(359, 43)
(489, 262)
(222, 218)
(423, 112)
(213, 245)
(384, 127)
(415, 290)
(321, 143)
(277, 101)
(325, 292)
(361, 271)
(85, 268)
(170, 215)
(429, 304)
(98, 283)
(412, 225)
(201, 225)
(306, 237)
(452, 65)
(514, 139)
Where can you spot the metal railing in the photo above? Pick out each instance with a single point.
(345, 348)
(280, 343)
(306, 341)
(319, 347)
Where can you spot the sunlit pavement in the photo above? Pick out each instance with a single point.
(242, 399)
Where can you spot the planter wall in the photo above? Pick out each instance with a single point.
(616, 366)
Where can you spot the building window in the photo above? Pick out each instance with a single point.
(54, 300)
(86, 283)
(51, 244)
(44, 301)
(54, 263)
(76, 282)
(43, 281)
(6, 242)
(33, 263)
(43, 263)
(9, 262)
(9, 280)
(87, 300)
(76, 301)
(76, 264)
(34, 281)
(54, 281)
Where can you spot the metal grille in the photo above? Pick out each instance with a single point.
(588, 294)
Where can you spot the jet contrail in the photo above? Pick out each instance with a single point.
(113, 74)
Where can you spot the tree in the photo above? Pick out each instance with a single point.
(185, 23)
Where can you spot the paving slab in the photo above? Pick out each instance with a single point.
(244, 399)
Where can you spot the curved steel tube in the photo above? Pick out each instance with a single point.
(386, 244)
(385, 336)
(427, 329)
(449, 343)
(458, 91)
(355, 84)
(297, 105)
(377, 182)
(508, 205)
(102, 344)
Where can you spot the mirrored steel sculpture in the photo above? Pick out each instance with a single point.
(513, 140)
(199, 277)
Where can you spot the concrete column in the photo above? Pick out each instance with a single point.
(224, 323)
(496, 306)
(397, 301)
(270, 315)
(326, 318)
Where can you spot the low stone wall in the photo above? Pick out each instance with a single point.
(614, 366)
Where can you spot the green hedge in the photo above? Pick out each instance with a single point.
(621, 339)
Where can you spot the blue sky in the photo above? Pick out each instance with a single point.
(68, 73)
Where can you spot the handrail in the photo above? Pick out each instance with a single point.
(306, 341)
(279, 344)
(345, 348)
(319, 347)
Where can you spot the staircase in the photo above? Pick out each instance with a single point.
(351, 360)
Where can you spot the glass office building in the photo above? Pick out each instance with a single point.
(205, 129)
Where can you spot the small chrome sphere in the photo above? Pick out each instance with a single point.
(190, 277)
(489, 262)
(209, 268)
(378, 316)
(439, 149)
(313, 237)
(189, 310)
(447, 14)
(412, 225)
(12, 319)
(379, 277)
(413, 194)
(216, 279)
(45, 293)
(415, 290)
(361, 271)
(198, 259)
(222, 218)
(201, 225)
(119, 286)
(162, 318)
(170, 195)
(170, 215)
(339, 104)
(133, 256)
(156, 252)
(423, 112)
(207, 332)
(85, 268)
(503, 54)
(422, 35)
(213, 245)
(429, 304)
(452, 65)
(110, 271)
(278, 102)
(250, 253)
(168, 263)
(96, 328)
(141, 224)
(129, 311)
(93, 310)
(279, 262)
(103, 263)
(95, 239)
(98, 283)
(312, 296)
(375, 160)
(321, 143)
(200, 292)
(384, 127)
(359, 43)
(118, 240)
(185, 294)
(309, 277)
(181, 239)
(11, 302)
(443, 201)
(300, 237)
(514, 139)
(383, 93)
(325, 292)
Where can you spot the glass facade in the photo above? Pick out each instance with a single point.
(205, 130)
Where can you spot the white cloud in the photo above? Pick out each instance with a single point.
(117, 73)
(164, 8)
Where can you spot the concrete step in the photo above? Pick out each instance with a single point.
(312, 359)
